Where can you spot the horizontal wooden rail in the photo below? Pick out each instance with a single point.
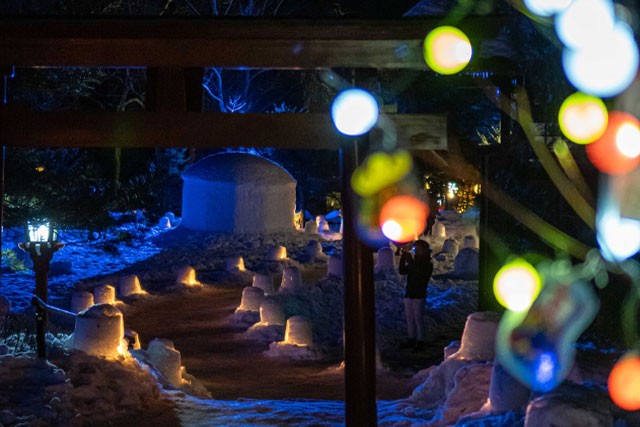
(205, 130)
(253, 43)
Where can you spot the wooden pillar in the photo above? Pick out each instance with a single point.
(175, 89)
(359, 304)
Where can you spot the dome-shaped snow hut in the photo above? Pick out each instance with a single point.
(238, 193)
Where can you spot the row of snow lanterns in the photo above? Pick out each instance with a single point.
(399, 216)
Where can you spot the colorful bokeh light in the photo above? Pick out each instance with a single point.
(624, 382)
(604, 68)
(516, 285)
(585, 23)
(546, 7)
(583, 118)
(354, 112)
(617, 151)
(618, 237)
(447, 50)
(381, 170)
(403, 218)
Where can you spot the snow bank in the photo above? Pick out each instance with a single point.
(99, 331)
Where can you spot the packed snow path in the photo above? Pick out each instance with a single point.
(229, 365)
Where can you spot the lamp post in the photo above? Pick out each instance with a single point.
(41, 245)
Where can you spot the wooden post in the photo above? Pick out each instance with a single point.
(359, 304)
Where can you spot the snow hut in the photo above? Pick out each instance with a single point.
(238, 193)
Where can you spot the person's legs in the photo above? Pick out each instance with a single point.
(408, 312)
(418, 311)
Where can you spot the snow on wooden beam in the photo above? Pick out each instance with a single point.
(253, 43)
(201, 130)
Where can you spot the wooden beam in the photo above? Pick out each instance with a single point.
(253, 43)
(203, 130)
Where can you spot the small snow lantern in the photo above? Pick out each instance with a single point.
(171, 216)
(166, 359)
(291, 278)
(470, 242)
(132, 338)
(311, 227)
(313, 249)
(99, 331)
(81, 300)
(384, 260)
(298, 331)
(187, 276)
(450, 247)
(104, 294)
(505, 392)
(129, 285)
(479, 336)
(277, 253)
(466, 264)
(251, 299)
(234, 264)
(264, 282)
(271, 313)
(334, 266)
(164, 223)
(323, 225)
(238, 193)
(439, 229)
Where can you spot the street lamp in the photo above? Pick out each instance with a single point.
(41, 244)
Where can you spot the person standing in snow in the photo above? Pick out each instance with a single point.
(418, 269)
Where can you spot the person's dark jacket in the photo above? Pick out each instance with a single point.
(418, 273)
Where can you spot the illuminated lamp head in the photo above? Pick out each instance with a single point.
(583, 118)
(624, 382)
(403, 218)
(546, 7)
(354, 112)
(617, 151)
(604, 68)
(447, 50)
(517, 285)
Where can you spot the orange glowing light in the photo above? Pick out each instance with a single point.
(403, 218)
(617, 151)
(624, 383)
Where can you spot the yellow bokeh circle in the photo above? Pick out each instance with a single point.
(517, 285)
(447, 50)
(583, 118)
